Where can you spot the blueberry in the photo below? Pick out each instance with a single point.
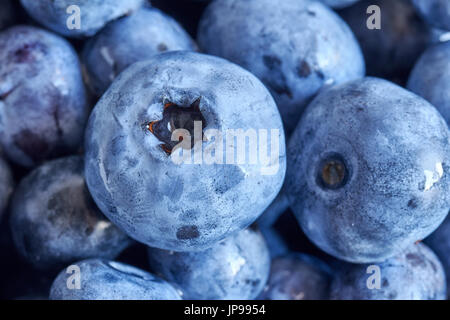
(296, 47)
(414, 274)
(338, 4)
(439, 241)
(235, 268)
(368, 170)
(430, 78)
(59, 16)
(109, 280)
(435, 12)
(133, 38)
(54, 220)
(130, 167)
(298, 277)
(43, 107)
(6, 13)
(390, 52)
(6, 185)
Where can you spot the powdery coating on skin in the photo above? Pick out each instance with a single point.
(6, 185)
(110, 280)
(391, 51)
(430, 78)
(339, 3)
(414, 274)
(134, 38)
(6, 13)
(297, 277)
(54, 220)
(43, 107)
(94, 14)
(236, 268)
(295, 47)
(139, 187)
(439, 241)
(395, 147)
(435, 12)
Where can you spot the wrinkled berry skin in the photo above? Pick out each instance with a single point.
(295, 47)
(133, 38)
(54, 220)
(94, 14)
(430, 78)
(236, 268)
(435, 12)
(180, 207)
(338, 4)
(368, 170)
(6, 185)
(439, 242)
(390, 52)
(109, 280)
(297, 277)
(6, 13)
(43, 107)
(414, 274)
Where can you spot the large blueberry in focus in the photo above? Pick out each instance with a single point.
(297, 277)
(414, 274)
(54, 220)
(430, 78)
(109, 280)
(6, 185)
(184, 195)
(439, 241)
(62, 16)
(390, 52)
(295, 47)
(43, 108)
(435, 12)
(133, 38)
(339, 3)
(6, 13)
(236, 268)
(369, 170)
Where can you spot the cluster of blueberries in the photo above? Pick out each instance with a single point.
(97, 97)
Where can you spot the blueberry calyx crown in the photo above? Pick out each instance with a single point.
(333, 172)
(177, 117)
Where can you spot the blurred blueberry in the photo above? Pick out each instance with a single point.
(435, 12)
(133, 38)
(54, 220)
(94, 14)
(430, 78)
(439, 241)
(133, 174)
(295, 47)
(236, 268)
(297, 277)
(43, 107)
(110, 280)
(390, 52)
(339, 3)
(7, 14)
(6, 185)
(368, 170)
(414, 274)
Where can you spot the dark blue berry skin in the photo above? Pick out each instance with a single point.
(6, 185)
(435, 12)
(439, 242)
(54, 220)
(414, 274)
(135, 182)
(297, 276)
(6, 13)
(296, 47)
(236, 268)
(368, 170)
(133, 38)
(338, 4)
(430, 78)
(391, 51)
(110, 280)
(95, 14)
(43, 108)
